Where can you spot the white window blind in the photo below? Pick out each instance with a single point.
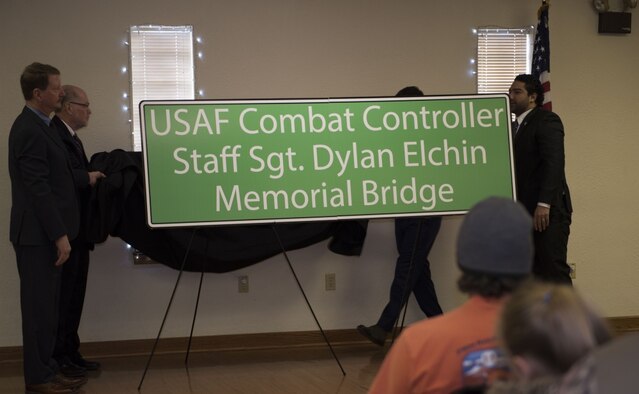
(502, 54)
(161, 67)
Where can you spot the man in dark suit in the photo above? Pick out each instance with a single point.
(539, 174)
(73, 115)
(44, 218)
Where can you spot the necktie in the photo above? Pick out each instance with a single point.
(78, 145)
(514, 127)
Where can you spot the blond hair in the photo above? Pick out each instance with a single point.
(552, 325)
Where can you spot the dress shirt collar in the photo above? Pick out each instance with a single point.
(520, 118)
(71, 131)
(45, 118)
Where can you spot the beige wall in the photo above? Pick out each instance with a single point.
(302, 48)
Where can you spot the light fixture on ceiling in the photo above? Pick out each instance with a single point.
(604, 5)
(601, 5)
(628, 4)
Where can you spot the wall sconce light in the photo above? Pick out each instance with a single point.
(614, 22)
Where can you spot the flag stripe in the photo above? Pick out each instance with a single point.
(541, 54)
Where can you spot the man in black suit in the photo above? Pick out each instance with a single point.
(44, 218)
(539, 174)
(73, 115)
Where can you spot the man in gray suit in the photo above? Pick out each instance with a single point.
(44, 218)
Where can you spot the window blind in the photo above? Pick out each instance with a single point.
(161, 68)
(502, 54)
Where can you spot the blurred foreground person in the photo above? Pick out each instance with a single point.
(459, 348)
(545, 329)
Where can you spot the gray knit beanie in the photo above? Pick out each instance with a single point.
(496, 238)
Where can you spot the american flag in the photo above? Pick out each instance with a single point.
(541, 53)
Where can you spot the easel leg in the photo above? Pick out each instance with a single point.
(168, 308)
(299, 285)
(197, 303)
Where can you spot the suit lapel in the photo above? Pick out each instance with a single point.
(52, 134)
(49, 131)
(528, 119)
(67, 140)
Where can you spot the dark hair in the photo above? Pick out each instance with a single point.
(36, 76)
(488, 286)
(410, 91)
(533, 85)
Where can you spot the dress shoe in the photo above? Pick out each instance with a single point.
(69, 383)
(48, 388)
(70, 370)
(86, 364)
(373, 333)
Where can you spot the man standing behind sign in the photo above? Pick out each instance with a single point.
(538, 146)
(414, 237)
(70, 117)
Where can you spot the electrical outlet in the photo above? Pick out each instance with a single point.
(140, 258)
(573, 270)
(242, 284)
(330, 284)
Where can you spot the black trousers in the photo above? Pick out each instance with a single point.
(551, 247)
(39, 291)
(413, 244)
(72, 291)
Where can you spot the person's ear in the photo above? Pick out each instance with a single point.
(523, 367)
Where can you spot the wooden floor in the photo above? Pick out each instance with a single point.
(294, 371)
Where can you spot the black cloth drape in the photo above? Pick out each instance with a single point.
(117, 208)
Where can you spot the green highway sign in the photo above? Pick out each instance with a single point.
(259, 161)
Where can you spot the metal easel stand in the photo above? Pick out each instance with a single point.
(299, 285)
(168, 308)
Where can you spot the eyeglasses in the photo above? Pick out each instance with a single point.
(85, 105)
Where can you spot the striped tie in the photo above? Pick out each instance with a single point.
(514, 128)
(78, 145)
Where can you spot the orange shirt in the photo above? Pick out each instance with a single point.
(445, 353)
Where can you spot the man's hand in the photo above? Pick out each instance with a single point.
(94, 176)
(64, 249)
(542, 218)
